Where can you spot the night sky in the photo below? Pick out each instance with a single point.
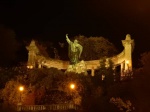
(52, 19)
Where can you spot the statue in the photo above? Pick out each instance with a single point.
(75, 50)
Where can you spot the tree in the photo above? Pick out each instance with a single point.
(104, 75)
(35, 81)
(140, 84)
(8, 46)
(7, 73)
(11, 94)
(145, 61)
(95, 47)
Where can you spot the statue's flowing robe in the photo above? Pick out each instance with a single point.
(74, 53)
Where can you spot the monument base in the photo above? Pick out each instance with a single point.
(78, 68)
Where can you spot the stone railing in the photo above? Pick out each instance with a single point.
(47, 107)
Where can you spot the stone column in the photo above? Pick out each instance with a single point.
(32, 51)
(122, 69)
(92, 71)
(128, 48)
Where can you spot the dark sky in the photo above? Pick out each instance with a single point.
(52, 19)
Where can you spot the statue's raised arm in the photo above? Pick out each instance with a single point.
(68, 40)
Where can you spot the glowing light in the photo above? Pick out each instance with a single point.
(127, 62)
(103, 77)
(30, 67)
(21, 88)
(72, 86)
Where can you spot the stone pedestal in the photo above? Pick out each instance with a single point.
(78, 68)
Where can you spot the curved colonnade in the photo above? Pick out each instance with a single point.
(123, 59)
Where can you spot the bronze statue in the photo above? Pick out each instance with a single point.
(75, 50)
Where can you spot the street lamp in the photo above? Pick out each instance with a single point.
(72, 87)
(21, 88)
